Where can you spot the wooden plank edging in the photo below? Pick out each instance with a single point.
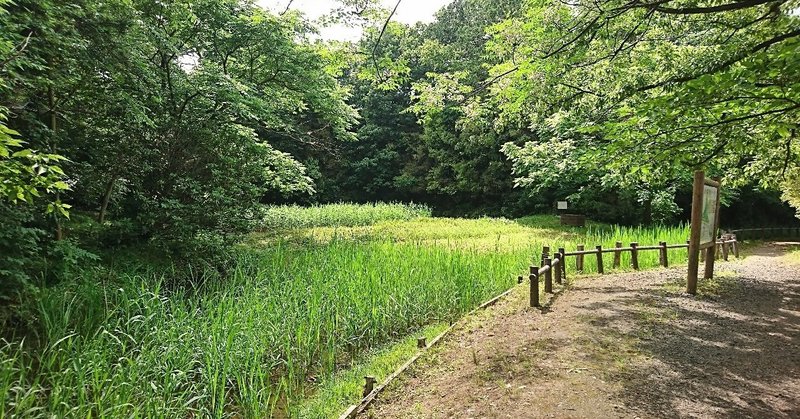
(356, 409)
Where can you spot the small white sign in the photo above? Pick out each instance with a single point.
(562, 205)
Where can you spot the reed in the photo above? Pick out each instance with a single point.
(290, 316)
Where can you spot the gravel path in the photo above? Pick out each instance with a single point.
(624, 345)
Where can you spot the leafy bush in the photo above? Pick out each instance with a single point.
(20, 249)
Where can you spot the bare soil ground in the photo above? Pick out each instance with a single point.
(625, 345)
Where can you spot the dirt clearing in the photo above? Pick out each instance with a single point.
(623, 345)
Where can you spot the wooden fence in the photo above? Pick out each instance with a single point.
(555, 268)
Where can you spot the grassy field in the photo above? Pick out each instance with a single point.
(309, 306)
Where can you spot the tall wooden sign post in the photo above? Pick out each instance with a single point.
(705, 222)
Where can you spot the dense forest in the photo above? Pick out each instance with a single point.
(174, 120)
(167, 129)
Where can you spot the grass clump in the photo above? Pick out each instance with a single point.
(345, 388)
(343, 214)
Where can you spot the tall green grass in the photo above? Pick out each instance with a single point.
(343, 214)
(244, 347)
(290, 314)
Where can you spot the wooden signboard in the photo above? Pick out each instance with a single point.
(708, 225)
(705, 222)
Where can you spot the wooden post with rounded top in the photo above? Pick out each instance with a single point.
(579, 259)
(694, 237)
(635, 255)
(548, 276)
(534, 292)
(617, 255)
(599, 259)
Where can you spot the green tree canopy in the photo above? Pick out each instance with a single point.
(650, 90)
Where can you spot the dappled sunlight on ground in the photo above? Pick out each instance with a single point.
(627, 345)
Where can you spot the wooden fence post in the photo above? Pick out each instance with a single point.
(664, 257)
(545, 254)
(599, 259)
(635, 255)
(617, 254)
(725, 245)
(557, 271)
(563, 274)
(534, 292)
(735, 247)
(548, 276)
(369, 385)
(579, 259)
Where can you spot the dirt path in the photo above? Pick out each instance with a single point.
(625, 345)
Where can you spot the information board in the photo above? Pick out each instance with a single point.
(709, 215)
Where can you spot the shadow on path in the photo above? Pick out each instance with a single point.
(731, 352)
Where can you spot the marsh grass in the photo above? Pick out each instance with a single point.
(288, 321)
(285, 217)
(344, 388)
(243, 347)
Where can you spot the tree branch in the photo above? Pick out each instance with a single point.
(378, 41)
(17, 51)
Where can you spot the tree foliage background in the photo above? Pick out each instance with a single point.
(171, 123)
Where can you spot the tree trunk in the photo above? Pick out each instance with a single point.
(51, 96)
(101, 217)
(648, 211)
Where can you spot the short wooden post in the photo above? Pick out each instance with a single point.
(563, 273)
(663, 251)
(617, 255)
(519, 279)
(548, 276)
(635, 255)
(369, 385)
(599, 259)
(579, 259)
(421, 342)
(703, 255)
(557, 265)
(725, 245)
(534, 292)
(545, 254)
(735, 247)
